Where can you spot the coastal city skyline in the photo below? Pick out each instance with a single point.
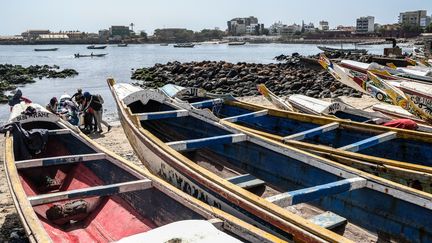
(190, 14)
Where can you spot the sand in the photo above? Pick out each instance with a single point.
(116, 141)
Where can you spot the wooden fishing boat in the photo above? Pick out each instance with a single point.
(122, 45)
(74, 190)
(338, 109)
(346, 142)
(419, 94)
(341, 50)
(184, 45)
(388, 73)
(46, 49)
(93, 47)
(91, 55)
(237, 43)
(183, 145)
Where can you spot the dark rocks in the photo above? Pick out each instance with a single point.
(12, 75)
(293, 76)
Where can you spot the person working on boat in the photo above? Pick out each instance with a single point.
(77, 96)
(17, 98)
(95, 102)
(52, 105)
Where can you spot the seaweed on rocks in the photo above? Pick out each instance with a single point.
(14, 75)
(240, 79)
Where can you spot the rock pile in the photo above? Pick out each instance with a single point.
(241, 79)
(12, 75)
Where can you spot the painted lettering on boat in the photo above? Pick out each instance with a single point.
(422, 103)
(38, 114)
(178, 180)
(334, 107)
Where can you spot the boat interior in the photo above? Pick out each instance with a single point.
(297, 183)
(333, 134)
(82, 195)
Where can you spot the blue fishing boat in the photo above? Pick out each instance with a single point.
(74, 190)
(384, 151)
(217, 163)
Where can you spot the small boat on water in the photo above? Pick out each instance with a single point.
(96, 47)
(184, 45)
(164, 44)
(74, 190)
(341, 50)
(91, 55)
(122, 45)
(46, 49)
(191, 149)
(236, 43)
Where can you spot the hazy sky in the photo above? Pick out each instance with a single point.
(91, 15)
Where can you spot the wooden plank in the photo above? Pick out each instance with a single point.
(312, 132)
(328, 220)
(246, 181)
(59, 160)
(105, 190)
(207, 103)
(246, 116)
(59, 131)
(204, 142)
(161, 115)
(369, 142)
(316, 192)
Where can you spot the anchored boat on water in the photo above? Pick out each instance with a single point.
(216, 162)
(46, 49)
(74, 190)
(91, 55)
(93, 47)
(342, 50)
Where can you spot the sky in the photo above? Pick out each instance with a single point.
(17, 16)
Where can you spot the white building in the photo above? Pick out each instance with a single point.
(290, 29)
(323, 25)
(365, 24)
(309, 27)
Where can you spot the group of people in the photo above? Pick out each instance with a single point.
(82, 109)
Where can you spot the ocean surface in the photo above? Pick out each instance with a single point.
(120, 62)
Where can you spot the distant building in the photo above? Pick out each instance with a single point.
(31, 35)
(323, 25)
(104, 35)
(275, 28)
(414, 18)
(247, 25)
(52, 38)
(345, 28)
(288, 30)
(309, 27)
(365, 24)
(118, 30)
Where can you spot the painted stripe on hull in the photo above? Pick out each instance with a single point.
(246, 181)
(369, 142)
(59, 131)
(162, 115)
(92, 191)
(312, 132)
(207, 103)
(205, 142)
(313, 193)
(69, 159)
(246, 116)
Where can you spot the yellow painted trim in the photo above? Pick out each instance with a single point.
(242, 193)
(320, 120)
(28, 217)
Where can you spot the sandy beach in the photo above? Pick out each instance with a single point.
(116, 141)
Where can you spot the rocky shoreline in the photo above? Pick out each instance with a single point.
(13, 75)
(292, 76)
